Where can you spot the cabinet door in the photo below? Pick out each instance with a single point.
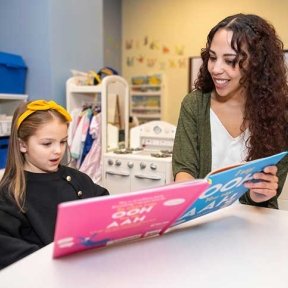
(116, 182)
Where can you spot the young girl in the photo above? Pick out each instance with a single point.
(35, 182)
(239, 108)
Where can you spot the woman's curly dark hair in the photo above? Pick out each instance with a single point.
(264, 78)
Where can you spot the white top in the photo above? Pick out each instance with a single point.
(226, 150)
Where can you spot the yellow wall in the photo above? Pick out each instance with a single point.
(160, 35)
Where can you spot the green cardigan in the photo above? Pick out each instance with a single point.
(192, 145)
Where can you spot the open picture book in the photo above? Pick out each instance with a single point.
(103, 221)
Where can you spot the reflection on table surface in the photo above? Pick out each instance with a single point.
(238, 246)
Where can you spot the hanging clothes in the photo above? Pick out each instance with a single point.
(78, 139)
(75, 114)
(92, 164)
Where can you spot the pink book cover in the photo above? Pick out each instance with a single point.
(102, 221)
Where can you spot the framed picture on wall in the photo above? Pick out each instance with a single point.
(194, 66)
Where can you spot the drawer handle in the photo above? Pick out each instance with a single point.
(124, 174)
(150, 177)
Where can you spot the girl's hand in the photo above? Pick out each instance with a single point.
(266, 188)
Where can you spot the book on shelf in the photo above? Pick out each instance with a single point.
(107, 220)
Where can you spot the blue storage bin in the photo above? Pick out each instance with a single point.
(12, 74)
(3, 151)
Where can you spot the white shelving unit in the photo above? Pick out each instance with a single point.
(146, 102)
(8, 104)
(78, 95)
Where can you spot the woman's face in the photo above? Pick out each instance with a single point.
(225, 75)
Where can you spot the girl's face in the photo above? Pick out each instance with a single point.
(225, 76)
(45, 149)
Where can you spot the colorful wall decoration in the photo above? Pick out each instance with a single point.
(151, 53)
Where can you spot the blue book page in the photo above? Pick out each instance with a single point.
(226, 187)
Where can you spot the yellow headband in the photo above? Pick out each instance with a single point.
(42, 105)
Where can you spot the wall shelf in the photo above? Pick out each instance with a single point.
(8, 104)
(146, 102)
(22, 97)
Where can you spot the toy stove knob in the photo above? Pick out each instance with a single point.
(142, 165)
(130, 164)
(153, 166)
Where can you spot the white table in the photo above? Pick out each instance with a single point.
(239, 246)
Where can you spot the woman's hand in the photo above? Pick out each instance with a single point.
(266, 186)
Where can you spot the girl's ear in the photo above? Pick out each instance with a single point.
(23, 146)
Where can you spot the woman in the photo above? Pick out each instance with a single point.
(238, 111)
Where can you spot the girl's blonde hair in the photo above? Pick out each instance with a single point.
(13, 179)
